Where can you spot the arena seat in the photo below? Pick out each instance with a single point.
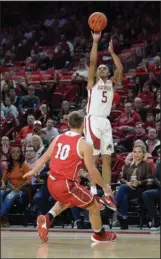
(72, 93)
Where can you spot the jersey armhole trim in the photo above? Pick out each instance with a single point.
(78, 147)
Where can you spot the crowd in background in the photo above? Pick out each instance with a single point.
(136, 117)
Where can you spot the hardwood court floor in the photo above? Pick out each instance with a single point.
(78, 245)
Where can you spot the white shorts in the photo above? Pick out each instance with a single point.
(98, 132)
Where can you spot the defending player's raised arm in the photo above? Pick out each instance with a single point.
(87, 151)
(93, 60)
(119, 68)
(42, 160)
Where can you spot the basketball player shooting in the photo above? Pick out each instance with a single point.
(98, 129)
(67, 154)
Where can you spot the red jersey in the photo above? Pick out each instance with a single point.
(66, 161)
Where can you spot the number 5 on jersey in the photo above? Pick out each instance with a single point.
(63, 151)
(104, 96)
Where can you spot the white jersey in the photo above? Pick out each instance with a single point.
(100, 98)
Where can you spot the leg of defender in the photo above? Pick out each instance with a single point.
(99, 233)
(43, 222)
(93, 185)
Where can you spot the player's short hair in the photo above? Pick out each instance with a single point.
(75, 120)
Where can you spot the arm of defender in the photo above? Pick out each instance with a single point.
(119, 68)
(93, 60)
(43, 160)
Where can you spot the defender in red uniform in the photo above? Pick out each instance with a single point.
(68, 153)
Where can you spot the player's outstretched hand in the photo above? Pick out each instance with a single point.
(29, 174)
(110, 48)
(96, 36)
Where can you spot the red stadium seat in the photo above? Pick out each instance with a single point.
(72, 93)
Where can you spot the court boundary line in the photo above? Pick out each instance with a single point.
(77, 231)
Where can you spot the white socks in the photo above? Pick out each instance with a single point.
(52, 212)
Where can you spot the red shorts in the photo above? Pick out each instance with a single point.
(70, 193)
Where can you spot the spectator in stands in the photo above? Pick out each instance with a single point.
(147, 97)
(157, 108)
(14, 187)
(140, 131)
(27, 129)
(5, 149)
(41, 198)
(22, 85)
(83, 107)
(10, 109)
(44, 109)
(144, 65)
(43, 138)
(6, 83)
(76, 212)
(135, 177)
(157, 127)
(64, 109)
(2, 116)
(36, 131)
(130, 96)
(50, 130)
(138, 107)
(156, 65)
(127, 119)
(30, 156)
(152, 143)
(14, 98)
(150, 197)
(153, 82)
(82, 71)
(129, 158)
(150, 122)
(29, 101)
(38, 145)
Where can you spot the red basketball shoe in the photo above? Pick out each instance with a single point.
(43, 224)
(108, 201)
(106, 237)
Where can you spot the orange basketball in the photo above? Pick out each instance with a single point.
(97, 21)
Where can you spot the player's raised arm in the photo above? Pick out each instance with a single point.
(42, 160)
(87, 151)
(119, 68)
(93, 60)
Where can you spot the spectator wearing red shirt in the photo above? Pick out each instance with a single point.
(27, 129)
(127, 119)
(144, 66)
(130, 96)
(150, 122)
(140, 131)
(138, 107)
(147, 97)
(156, 65)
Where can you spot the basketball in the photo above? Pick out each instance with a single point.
(97, 21)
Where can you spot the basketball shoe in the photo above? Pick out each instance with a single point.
(107, 201)
(43, 224)
(106, 237)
